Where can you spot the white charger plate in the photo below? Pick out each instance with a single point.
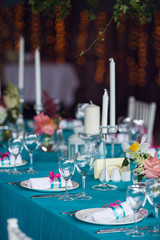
(62, 189)
(24, 162)
(82, 214)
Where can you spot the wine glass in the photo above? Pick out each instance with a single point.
(84, 163)
(135, 197)
(15, 146)
(153, 194)
(31, 142)
(66, 168)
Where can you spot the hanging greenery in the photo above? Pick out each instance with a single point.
(143, 10)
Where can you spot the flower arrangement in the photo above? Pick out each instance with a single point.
(47, 121)
(146, 165)
(9, 109)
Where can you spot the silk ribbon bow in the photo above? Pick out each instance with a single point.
(53, 176)
(116, 203)
(3, 155)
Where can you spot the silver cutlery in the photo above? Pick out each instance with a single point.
(125, 229)
(52, 195)
(71, 213)
(14, 183)
(4, 170)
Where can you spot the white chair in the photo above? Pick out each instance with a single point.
(14, 233)
(144, 111)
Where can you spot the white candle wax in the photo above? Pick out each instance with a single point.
(91, 119)
(112, 92)
(37, 77)
(21, 64)
(105, 100)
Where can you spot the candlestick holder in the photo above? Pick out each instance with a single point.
(20, 119)
(38, 108)
(90, 140)
(104, 186)
(112, 131)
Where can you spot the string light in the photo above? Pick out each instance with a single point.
(156, 45)
(35, 31)
(83, 36)
(18, 23)
(100, 48)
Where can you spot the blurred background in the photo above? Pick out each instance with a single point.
(78, 79)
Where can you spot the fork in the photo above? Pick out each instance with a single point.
(71, 213)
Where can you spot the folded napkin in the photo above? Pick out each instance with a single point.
(114, 211)
(69, 123)
(8, 159)
(44, 182)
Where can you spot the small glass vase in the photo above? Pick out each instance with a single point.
(47, 143)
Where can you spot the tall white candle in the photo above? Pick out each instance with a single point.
(21, 64)
(105, 100)
(112, 92)
(92, 119)
(37, 78)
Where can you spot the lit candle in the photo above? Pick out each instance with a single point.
(92, 119)
(21, 64)
(112, 92)
(105, 100)
(37, 78)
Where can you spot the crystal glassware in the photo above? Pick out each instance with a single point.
(84, 163)
(135, 197)
(15, 146)
(66, 168)
(153, 194)
(31, 143)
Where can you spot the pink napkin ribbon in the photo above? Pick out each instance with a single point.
(3, 155)
(116, 203)
(52, 176)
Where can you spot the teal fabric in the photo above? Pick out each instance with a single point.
(41, 218)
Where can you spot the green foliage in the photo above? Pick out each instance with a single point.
(142, 10)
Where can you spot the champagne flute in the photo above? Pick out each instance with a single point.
(84, 162)
(153, 194)
(14, 146)
(135, 197)
(66, 168)
(31, 142)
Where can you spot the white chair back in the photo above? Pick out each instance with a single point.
(14, 233)
(144, 111)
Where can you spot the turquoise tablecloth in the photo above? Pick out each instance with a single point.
(41, 218)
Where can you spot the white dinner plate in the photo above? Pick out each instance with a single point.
(24, 162)
(82, 215)
(62, 189)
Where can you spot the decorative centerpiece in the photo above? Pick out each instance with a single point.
(46, 123)
(146, 165)
(9, 110)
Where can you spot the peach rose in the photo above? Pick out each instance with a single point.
(152, 167)
(44, 124)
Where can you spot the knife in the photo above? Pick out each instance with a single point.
(53, 195)
(46, 196)
(125, 229)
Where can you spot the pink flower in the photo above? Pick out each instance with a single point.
(44, 124)
(152, 167)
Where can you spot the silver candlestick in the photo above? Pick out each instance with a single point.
(112, 130)
(38, 108)
(20, 119)
(104, 186)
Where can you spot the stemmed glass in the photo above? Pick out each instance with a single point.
(15, 146)
(31, 143)
(153, 194)
(84, 162)
(66, 168)
(135, 197)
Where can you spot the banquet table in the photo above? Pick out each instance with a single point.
(60, 81)
(41, 218)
